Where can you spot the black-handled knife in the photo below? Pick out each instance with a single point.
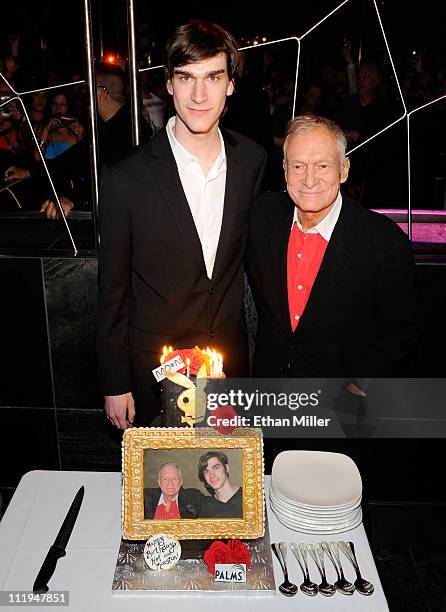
(57, 550)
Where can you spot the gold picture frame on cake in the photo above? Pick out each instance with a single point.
(192, 484)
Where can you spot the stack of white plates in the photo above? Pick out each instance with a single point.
(316, 492)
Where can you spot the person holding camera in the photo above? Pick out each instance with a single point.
(62, 130)
(114, 133)
(55, 135)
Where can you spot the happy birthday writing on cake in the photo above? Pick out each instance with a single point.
(162, 552)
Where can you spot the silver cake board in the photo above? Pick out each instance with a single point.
(191, 577)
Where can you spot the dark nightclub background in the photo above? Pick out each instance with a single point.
(408, 27)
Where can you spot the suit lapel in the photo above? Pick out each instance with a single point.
(336, 260)
(232, 190)
(166, 174)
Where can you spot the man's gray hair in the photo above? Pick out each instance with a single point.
(171, 464)
(310, 122)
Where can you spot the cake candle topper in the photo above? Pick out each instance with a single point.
(194, 358)
(166, 351)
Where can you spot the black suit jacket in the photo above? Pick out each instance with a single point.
(189, 502)
(361, 318)
(153, 287)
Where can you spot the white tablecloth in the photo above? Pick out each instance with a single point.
(36, 512)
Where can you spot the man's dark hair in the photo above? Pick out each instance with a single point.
(203, 463)
(196, 41)
(113, 79)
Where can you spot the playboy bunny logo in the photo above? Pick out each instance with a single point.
(192, 401)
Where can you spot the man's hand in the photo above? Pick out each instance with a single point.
(14, 172)
(120, 410)
(51, 209)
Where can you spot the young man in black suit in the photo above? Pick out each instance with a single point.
(174, 221)
(333, 282)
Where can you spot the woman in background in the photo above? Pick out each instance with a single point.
(62, 131)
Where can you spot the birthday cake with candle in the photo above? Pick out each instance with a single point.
(188, 376)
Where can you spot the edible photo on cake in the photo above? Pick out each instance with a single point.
(193, 483)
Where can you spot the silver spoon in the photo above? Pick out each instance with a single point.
(303, 552)
(325, 587)
(287, 588)
(343, 586)
(307, 587)
(362, 586)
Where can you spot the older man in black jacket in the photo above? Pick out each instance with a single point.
(170, 500)
(333, 283)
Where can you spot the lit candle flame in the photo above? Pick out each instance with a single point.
(163, 356)
(213, 360)
(166, 351)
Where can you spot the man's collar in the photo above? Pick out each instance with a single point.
(182, 155)
(161, 499)
(326, 226)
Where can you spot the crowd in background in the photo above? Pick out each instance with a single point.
(362, 97)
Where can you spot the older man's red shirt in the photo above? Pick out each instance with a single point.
(304, 258)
